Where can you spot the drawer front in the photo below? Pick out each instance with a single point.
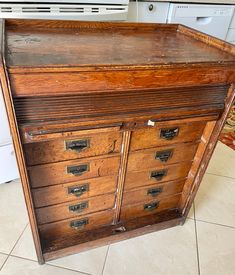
(165, 135)
(74, 209)
(151, 158)
(80, 190)
(79, 146)
(157, 191)
(73, 226)
(70, 171)
(149, 207)
(156, 176)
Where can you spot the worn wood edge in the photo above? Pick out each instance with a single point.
(113, 238)
(208, 39)
(209, 151)
(122, 173)
(188, 186)
(18, 148)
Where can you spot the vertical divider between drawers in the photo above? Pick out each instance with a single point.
(122, 172)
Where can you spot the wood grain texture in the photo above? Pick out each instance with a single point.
(68, 80)
(61, 211)
(147, 158)
(55, 150)
(137, 210)
(142, 178)
(59, 193)
(152, 192)
(151, 136)
(56, 173)
(35, 109)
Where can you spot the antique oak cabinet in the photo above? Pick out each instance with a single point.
(113, 125)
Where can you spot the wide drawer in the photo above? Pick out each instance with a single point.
(82, 144)
(70, 171)
(156, 191)
(155, 176)
(73, 226)
(166, 134)
(149, 207)
(74, 209)
(84, 189)
(151, 158)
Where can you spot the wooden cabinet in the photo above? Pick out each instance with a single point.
(113, 125)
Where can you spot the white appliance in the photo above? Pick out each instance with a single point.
(231, 31)
(149, 12)
(95, 10)
(210, 19)
(8, 166)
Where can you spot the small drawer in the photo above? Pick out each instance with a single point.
(157, 191)
(74, 209)
(70, 227)
(149, 207)
(156, 176)
(71, 171)
(151, 158)
(81, 145)
(84, 189)
(163, 135)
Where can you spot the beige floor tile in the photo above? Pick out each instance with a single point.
(2, 259)
(91, 261)
(215, 200)
(25, 246)
(223, 161)
(171, 251)
(216, 246)
(17, 266)
(13, 215)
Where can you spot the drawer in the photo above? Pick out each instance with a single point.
(156, 176)
(84, 189)
(81, 145)
(165, 135)
(149, 207)
(151, 158)
(74, 209)
(156, 191)
(70, 171)
(68, 227)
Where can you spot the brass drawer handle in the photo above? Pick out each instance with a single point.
(163, 156)
(78, 190)
(169, 133)
(77, 145)
(79, 224)
(158, 175)
(154, 191)
(151, 206)
(78, 169)
(78, 207)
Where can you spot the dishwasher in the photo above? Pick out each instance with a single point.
(211, 19)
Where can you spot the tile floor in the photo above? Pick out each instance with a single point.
(205, 245)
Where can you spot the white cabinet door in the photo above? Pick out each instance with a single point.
(8, 165)
(149, 12)
(5, 136)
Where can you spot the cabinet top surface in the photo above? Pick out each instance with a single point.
(35, 43)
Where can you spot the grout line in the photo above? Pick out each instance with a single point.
(197, 247)
(35, 261)
(106, 256)
(66, 268)
(214, 223)
(3, 253)
(14, 246)
(220, 175)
